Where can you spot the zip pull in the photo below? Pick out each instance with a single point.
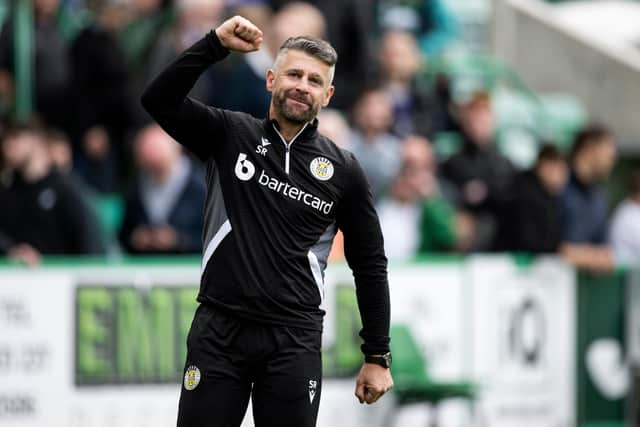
(286, 159)
(287, 146)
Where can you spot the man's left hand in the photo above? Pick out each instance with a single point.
(373, 381)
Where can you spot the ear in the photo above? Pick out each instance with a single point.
(328, 95)
(271, 77)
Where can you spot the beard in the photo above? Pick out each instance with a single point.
(295, 114)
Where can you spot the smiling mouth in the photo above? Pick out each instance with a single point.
(298, 101)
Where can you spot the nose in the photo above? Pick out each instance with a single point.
(303, 85)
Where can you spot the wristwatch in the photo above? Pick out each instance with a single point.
(383, 360)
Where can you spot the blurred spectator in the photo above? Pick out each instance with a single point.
(377, 150)
(333, 125)
(584, 205)
(624, 233)
(429, 20)
(584, 200)
(100, 101)
(194, 19)
(349, 25)
(146, 20)
(137, 34)
(48, 214)
(414, 216)
(532, 218)
(163, 212)
(52, 71)
(244, 86)
(481, 175)
(59, 149)
(60, 153)
(414, 110)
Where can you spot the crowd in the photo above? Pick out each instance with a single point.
(89, 136)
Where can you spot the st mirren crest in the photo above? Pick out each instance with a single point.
(321, 168)
(192, 378)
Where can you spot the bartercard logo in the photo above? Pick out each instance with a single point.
(244, 168)
(295, 193)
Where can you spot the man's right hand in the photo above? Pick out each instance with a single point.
(239, 34)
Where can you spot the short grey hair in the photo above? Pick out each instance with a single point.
(313, 46)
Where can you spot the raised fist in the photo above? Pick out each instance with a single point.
(239, 34)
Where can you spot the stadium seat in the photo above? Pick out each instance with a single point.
(412, 381)
(109, 209)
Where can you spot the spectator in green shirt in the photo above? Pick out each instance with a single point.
(415, 216)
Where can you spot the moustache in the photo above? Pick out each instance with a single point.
(303, 99)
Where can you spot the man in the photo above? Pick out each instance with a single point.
(415, 211)
(277, 191)
(370, 139)
(416, 110)
(47, 213)
(531, 221)
(479, 172)
(584, 204)
(163, 210)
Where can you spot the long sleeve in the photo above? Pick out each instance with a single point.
(187, 120)
(364, 251)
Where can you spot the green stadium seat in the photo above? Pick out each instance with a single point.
(412, 381)
(110, 209)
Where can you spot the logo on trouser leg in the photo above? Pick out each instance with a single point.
(191, 378)
(313, 385)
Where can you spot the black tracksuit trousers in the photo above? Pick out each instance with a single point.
(231, 359)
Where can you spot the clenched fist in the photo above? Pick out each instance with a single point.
(239, 34)
(372, 382)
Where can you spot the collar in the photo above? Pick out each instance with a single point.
(311, 130)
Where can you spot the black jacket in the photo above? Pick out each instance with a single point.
(272, 210)
(531, 222)
(486, 166)
(50, 214)
(185, 216)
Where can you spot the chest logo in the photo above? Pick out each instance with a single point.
(262, 148)
(244, 168)
(321, 168)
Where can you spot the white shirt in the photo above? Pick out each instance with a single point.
(624, 233)
(400, 227)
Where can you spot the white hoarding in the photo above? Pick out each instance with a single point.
(523, 342)
(103, 346)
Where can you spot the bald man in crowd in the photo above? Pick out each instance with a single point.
(164, 207)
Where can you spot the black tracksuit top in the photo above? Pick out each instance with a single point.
(273, 209)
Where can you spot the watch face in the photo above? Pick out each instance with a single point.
(388, 359)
